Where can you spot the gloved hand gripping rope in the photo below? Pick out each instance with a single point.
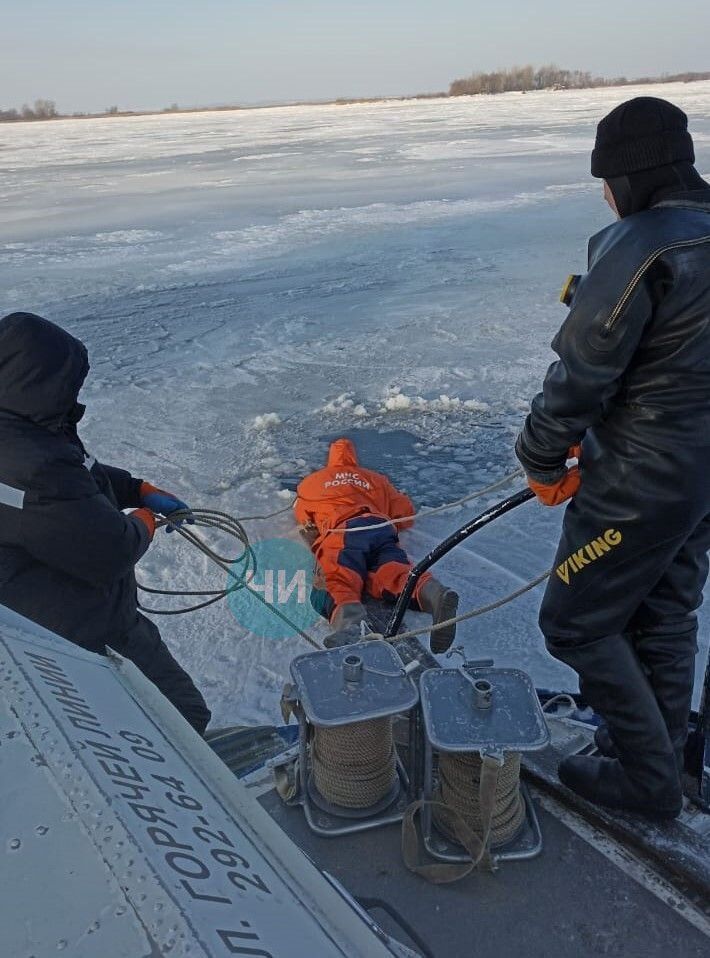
(240, 569)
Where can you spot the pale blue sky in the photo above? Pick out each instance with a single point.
(90, 54)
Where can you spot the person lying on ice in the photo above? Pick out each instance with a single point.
(632, 384)
(344, 496)
(67, 551)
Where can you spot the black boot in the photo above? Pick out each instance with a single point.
(645, 776)
(605, 781)
(441, 604)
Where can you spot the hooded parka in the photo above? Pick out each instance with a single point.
(67, 551)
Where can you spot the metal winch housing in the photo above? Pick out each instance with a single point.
(489, 712)
(345, 699)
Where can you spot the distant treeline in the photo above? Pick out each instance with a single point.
(552, 77)
(515, 79)
(47, 110)
(42, 110)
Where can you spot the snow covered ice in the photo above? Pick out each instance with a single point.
(251, 284)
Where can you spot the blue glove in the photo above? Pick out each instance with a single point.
(157, 500)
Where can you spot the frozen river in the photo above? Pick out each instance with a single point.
(251, 284)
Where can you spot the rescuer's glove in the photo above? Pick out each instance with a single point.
(157, 500)
(551, 480)
(559, 491)
(147, 518)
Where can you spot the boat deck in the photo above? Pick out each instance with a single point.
(583, 896)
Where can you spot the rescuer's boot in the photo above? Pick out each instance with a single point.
(605, 781)
(441, 603)
(346, 625)
(645, 777)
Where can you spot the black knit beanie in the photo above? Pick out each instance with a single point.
(641, 134)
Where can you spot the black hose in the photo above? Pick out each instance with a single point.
(495, 512)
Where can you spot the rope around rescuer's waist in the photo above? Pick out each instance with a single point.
(242, 568)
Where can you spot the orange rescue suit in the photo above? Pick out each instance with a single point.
(344, 496)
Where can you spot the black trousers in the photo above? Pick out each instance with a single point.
(620, 606)
(146, 649)
(611, 578)
(632, 560)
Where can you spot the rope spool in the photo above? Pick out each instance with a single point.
(354, 766)
(458, 797)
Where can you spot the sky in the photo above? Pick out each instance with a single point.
(88, 55)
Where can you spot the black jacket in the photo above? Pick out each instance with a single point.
(67, 551)
(633, 375)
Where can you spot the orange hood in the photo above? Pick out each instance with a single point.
(329, 497)
(342, 453)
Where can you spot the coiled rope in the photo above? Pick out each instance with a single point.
(477, 804)
(240, 569)
(207, 519)
(458, 797)
(354, 766)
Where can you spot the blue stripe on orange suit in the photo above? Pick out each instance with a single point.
(356, 562)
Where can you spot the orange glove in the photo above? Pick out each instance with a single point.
(147, 518)
(557, 492)
(575, 452)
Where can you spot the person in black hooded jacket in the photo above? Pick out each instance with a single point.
(67, 551)
(632, 386)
